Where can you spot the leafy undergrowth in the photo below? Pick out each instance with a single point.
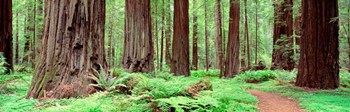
(163, 92)
(149, 92)
(314, 101)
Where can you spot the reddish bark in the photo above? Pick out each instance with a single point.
(233, 46)
(180, 52)
(319, 58)
(195, 40)
(282, 57)
(138, 46)
(218, 35)
(72, 46)
(6, 32)
(17, 60)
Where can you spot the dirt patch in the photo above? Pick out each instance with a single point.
(269, 102)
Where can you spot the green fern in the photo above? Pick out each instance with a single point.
(104, 80)
(3, 63)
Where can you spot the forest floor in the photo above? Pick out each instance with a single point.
(166, 92)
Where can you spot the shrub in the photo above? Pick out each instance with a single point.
(345, 79)
(204, 73)
(284, 77)
(257, 76)
(3, 63)
(160, 88)
(127, 82)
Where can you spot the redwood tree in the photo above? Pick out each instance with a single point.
(195, 40)
(319, 58)
(233, 46)
(138, 46)
(180, 51)
(72, 46)
(6, 32)
(168, 34)
(218, 35)
(206, 36)
(282, 56)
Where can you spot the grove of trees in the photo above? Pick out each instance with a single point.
(64, 40)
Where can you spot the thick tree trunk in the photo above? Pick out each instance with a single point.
(138, 46)
(168, 34)
(206, 37)
(73, 45)
(180, 59)
(6, 32)
(233, 45)
(319, 58)
(195, 40)
(218, 35)
(282, 57)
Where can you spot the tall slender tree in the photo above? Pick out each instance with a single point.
(138, 45)
(195, 39)
(206, 35)
(168, 34)
(155, 31)
(33, 40)
(233, 46)
(349, 32)
(6, 32)
(180, 55)
(246, 38)
(17, 60)
(319, 58)
(162, 37)
(256, 31)
(110, 42)
(218, 35)
(73, 46)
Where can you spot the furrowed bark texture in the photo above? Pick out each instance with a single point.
(218, 35)
(6, 32)
(73, 45)
(319, 58)
(138, 46)
(282, 56)
(232, 63)
(180, 51)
